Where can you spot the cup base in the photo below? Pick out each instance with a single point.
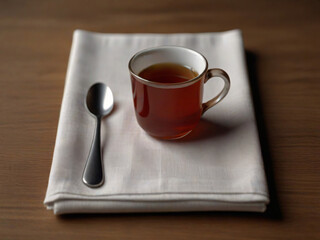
(175, 137)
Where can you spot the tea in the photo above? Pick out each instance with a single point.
(167, 112)
(168, 73)
(167, 96)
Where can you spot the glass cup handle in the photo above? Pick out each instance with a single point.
(216, 72)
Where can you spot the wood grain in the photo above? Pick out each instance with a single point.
(282, 42)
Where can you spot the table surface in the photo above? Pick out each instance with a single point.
(282, 44)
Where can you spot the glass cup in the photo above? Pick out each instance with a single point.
(172, 110)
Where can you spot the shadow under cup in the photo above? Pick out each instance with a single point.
(169, 110)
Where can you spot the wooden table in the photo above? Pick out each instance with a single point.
(282, 40)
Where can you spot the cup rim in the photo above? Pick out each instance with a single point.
(167, 85)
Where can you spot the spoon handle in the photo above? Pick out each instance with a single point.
(93, 172)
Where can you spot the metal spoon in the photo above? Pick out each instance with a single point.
(100, 103)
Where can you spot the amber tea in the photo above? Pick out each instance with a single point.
(168, 73)
(175, 110)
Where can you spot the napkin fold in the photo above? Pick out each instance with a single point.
(217, 167)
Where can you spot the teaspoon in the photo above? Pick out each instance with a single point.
(100, 103)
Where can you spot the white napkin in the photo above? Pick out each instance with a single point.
(217, 167)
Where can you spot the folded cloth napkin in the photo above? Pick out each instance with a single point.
(217, 167)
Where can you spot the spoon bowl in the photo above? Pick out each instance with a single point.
(99, 103)
(99, 100)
